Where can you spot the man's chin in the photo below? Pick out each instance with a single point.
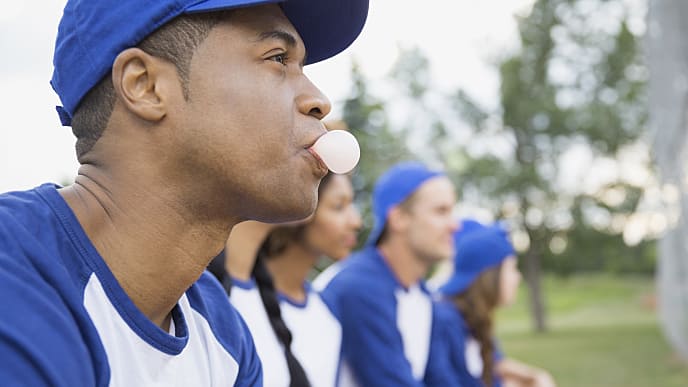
(440, 257)
(293, 215)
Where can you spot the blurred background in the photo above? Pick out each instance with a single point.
(564, 118)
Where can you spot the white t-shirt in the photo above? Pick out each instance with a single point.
(317, 337)
(321, 281)
(135, 361)
(245, 297)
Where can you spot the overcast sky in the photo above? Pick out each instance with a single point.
(458, 36)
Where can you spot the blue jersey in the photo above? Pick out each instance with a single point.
(385, 327)
(65, 320)
(455, 357)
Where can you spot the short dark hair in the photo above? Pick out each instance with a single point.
(175, 42)
(406, 205)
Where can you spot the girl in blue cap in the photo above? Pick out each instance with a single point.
(485, 276)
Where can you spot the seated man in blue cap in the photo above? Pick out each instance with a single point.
(190, 117)
(379, 294)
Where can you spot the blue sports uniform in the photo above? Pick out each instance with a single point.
(65, 320)
(455, 357)
(385, 327)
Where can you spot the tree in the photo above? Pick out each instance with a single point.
(572, 84)
(577, 82)
(668, 63)
(381, 146)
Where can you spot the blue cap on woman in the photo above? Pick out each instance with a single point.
(478, 248)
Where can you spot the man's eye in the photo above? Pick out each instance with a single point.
(280, 58)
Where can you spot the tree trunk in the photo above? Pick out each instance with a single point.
(667, 59)
(533, 279)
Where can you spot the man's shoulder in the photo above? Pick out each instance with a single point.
(449, 326)
(447, 314)
(38, 234)
(26, 200)
(363, 268)
(39, 267)
(23, 211)
(362, 280)
(208, 298)
(47, 337)
(26, 219)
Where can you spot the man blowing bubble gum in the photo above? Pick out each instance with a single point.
(190, 117)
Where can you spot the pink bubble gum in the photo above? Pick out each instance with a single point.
(339, 150)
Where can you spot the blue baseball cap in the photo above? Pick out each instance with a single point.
(93, 32)
(392, 188)
(478, 248)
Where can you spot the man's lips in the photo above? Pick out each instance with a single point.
(320, 165)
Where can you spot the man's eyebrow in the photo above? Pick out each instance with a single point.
(288, 38)
(284, 36)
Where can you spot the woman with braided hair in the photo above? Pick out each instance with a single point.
(485, 277)
(271, 336)
(297, 337)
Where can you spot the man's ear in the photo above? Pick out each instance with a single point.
(398, 219)
(141, 82)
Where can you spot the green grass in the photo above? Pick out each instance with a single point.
(603, 332)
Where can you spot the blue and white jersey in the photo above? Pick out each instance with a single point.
(321, 281)
(386, 328)
(455, 358)
(245, 297)
(317, 337)
(65, 320)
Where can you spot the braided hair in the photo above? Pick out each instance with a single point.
(216, 267)
(268, 295)
(275, 243)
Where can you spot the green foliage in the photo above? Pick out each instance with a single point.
(590, 250)
(571, 83)
(578, 80)
(593, 250)
(380, 146)
(552, 97)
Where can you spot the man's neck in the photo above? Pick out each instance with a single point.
(155, 251)
(407, 268)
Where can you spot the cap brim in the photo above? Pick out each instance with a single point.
(456, 284)
(218, 5)
(327, 27)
